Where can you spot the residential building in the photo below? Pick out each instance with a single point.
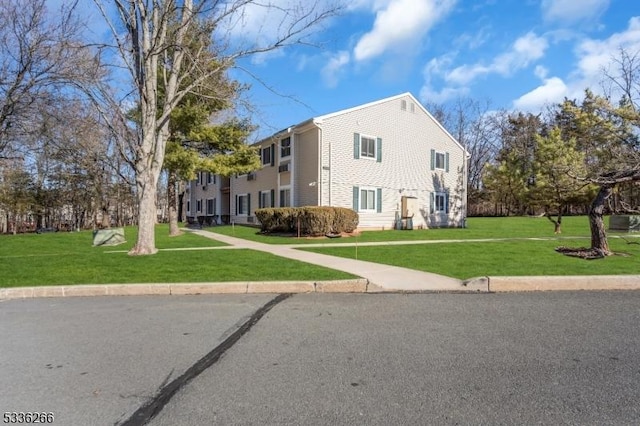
(389, 160)
(206, 199)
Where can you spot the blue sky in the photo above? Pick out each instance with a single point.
(516, 54)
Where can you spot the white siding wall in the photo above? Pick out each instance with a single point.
(407, 140)
(306, 182)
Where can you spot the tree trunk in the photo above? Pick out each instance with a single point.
(146, 187)
(172, 200)
(599, 241)
(557, 223)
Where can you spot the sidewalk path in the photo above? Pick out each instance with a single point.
(387, 277)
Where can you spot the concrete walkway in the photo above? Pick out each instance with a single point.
(385, 277)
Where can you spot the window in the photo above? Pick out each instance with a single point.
(211, 206)
(367, 147)
(285, 197)
(439, 202)
(198, 181)
(188, 207)
(403, 105)
(439, 160)
(285, 147)
(265, 199)
(242, 206)
(211, 178)
(198, 206)
(266, 155)
(367, 199)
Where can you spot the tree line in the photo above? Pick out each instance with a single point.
(90, 130)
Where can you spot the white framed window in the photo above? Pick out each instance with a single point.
(243, 204)
(368, 200)
(266, 156)
(285, 197)
(211, 178)
(198, 180)
(265, 199)
(188, 207)
(285, 147)
(439, 202)
(439, 160)
(198, 206)
(367, 147)
(211, 206)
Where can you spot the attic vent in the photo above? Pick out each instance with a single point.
(403, 105)
(251, 176)
(413, 107)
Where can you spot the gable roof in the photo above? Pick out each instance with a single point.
(317, 121)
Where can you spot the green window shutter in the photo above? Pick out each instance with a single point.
(433, 202)
(356, 198)
(236, 205)
(249, 204)
(446, 203)
(379, 150)
(446, 162)
(356, 145)
(433, 159)
(379, 199)
(260, 200)
(273, 154)
(273, 198)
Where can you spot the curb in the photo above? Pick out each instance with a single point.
(553, 283)
(336, 286)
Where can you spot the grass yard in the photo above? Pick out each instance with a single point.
(518, 257)
(68, 258)
(477, 227)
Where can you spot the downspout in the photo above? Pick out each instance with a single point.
(320, 166)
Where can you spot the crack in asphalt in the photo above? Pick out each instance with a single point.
(150, 409)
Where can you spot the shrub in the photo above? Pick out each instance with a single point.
(313, 221)
(344, 220)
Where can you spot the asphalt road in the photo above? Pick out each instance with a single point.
(534, 358)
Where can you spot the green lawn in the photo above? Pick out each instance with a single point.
(477, 227)
(69, 258)
(518, 257)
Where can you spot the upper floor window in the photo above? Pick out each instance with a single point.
(285, 147)
(266, 155)
(367, 147)
(439, 160)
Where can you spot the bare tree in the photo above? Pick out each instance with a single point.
(40, 53)
(154, 34)
(471, 123)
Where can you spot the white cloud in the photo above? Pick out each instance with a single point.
(593, 57)
(399, 22)
(569, 11)
(541, 72)
(596, 55)
(552, 91)
(523, 52)
(428, 95)
(331, 71)
(262, 23)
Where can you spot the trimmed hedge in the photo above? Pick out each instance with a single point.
(313, 221)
